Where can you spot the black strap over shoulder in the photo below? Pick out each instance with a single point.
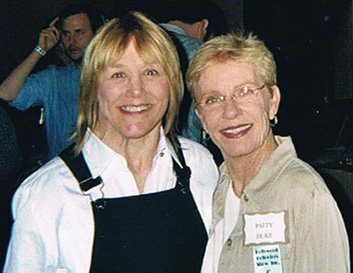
(79, 168)
(183, 173)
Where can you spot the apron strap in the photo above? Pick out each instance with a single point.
(79, 168)
(183, 173)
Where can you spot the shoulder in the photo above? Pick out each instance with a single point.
(199, 159)
(46, 76)
(47, 178)
(302, 175)
(308, 196)
(298, 183)
(292, 172)
(191, 148)
(54, 70)
(191, 45)
(69, 70)
(50, 70)
(46, 185)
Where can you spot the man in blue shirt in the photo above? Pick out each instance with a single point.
(189, 27)
(190, 23)
(56, 89)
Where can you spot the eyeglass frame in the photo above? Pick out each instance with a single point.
(234, 98)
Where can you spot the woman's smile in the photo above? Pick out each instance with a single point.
(236, 131)
(136, 108)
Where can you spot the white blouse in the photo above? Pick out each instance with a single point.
(54, 226)
(221, 232)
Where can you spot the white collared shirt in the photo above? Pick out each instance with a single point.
(54, 227)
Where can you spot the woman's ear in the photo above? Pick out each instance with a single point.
(274, 101)
(199, 115)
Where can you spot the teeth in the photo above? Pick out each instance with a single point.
(134, 109)
(236, 130)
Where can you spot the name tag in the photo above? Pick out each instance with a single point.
(267, 259)
(265, 228)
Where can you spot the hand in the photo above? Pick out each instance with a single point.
(50, 36)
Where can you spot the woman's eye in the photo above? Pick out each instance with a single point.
(245, 91)
(211, 100)
(151, 72)
(118, 75)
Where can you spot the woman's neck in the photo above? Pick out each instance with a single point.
(245, 167)
(138, 152)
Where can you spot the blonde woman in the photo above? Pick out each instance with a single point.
(271, 211)
(131, 195)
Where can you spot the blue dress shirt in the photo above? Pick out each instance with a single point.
(56, 89)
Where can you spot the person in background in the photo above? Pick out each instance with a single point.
(272, 212)
(56, 89)
(60, 55)
(130, 196)
(10, 153)
(190, 23)
(11, 161)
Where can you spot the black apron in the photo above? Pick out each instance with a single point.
(159, 232)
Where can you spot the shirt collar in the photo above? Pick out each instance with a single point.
(270, 169)
(166, 147)
(173, 28)
(98, 155)
(268, 172)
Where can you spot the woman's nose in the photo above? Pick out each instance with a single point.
(230, 108)
(136, 86)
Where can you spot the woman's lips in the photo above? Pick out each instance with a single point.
(236, 131)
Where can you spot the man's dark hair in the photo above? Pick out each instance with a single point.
(94, 15)
(192, 11)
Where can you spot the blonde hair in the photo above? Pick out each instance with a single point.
(236, 47)
(106, 48)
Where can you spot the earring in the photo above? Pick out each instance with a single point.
(205, 135)
(274, 121)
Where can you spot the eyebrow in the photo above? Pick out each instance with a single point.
(76, 29)
(247, 84)
(213, 91)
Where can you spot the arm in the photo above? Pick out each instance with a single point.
(12, 85)
(323, 245)
(26, 250)
(330, 241)
(50, 236)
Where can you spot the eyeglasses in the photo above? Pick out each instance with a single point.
(242, 96)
